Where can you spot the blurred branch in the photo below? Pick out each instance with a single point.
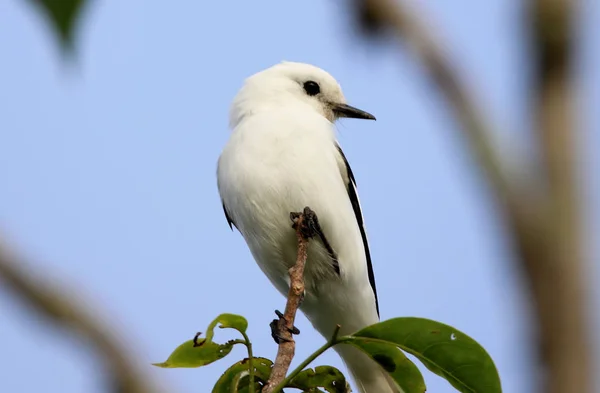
(565, 342)
(63, 310)
(303, 223)
(544, 223)
(377, 15)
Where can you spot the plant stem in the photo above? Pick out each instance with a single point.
(236, 341)
(332, 341)
(250, 367)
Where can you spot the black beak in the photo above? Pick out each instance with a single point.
(343, 110)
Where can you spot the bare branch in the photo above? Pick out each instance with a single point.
(63, 310)
(561, 297)
(543, 219)
(287, 345)
(520, 202)
(407, 26)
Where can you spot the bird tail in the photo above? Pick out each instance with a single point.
(368, 376)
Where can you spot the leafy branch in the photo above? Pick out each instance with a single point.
(443, 349)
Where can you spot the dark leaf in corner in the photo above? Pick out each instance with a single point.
(62, 14)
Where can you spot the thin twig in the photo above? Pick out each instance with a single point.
(63, 310)
(562, 290)
(287, 345)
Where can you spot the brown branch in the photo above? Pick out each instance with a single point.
(407, 26)
(62, 309)
(520, 202)
(543, 219)
(287, 345)
(562, 290)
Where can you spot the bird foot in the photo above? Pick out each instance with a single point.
(310, 224)
(276, 326)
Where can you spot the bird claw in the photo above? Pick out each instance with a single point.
(275, 332)
(310, 225)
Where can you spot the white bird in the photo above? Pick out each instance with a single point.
(283, 155)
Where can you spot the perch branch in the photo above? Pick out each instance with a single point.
(63, 309)
(287, 346)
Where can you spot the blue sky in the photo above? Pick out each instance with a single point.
(108, 179)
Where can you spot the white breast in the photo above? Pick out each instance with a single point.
(272, 166)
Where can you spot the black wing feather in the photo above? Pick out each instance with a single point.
(229, 220)
(357, 212)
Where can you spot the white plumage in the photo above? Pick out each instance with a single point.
(282, 156)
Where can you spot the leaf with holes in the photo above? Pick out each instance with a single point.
(404, 372)
(327, 377)
(62, 14)
(188, 355)
(235, 378)
(443, 349)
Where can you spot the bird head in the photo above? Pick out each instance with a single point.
(290, 83)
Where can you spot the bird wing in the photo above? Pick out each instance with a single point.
(229, 220)
(348, 177)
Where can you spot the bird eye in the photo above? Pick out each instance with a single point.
(311, 88)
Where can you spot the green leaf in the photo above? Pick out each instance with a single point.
(63, 15)
(186, 355)
(394, 361)
(232, 321)
(235, 378)
(443, 349)
(327, 377)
